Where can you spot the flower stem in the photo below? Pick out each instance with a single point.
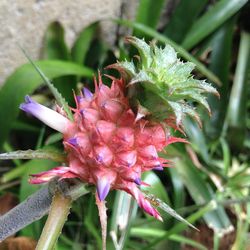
(57, 216)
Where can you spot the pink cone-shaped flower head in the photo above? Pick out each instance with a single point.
(107, 144)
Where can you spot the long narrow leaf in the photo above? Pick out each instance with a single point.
(200, 191)
(157, 233)
(82, 43)
(211, 20)
(55, 48)
(124, 212)
(166, 208)
(236, 117)
(221, 45)
(61, 101)
(148, 13)
(176, 28)
(54, 43)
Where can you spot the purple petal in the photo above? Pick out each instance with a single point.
(73, 141)
(30, 106)
(103, 187)
(46, 115)
(158, 168)
(82, 111)
(137, 181)
(87, 94)
(99, 159)
(28, 99)
(78, 98)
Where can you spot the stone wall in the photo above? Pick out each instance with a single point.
(25, 21)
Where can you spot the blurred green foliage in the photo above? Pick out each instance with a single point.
(210, 182)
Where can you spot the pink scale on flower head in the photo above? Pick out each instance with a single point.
(106, 144)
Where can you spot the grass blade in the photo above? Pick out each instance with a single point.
(148, 13)
(176, 29)
(82, 43)
(236, 116)
(55, 48)
(61, 101)
(221, 45)
(211, 20)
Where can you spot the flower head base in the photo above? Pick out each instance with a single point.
(106, 144)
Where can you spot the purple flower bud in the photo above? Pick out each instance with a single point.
(78, 98)
(87, 94)
(99, 159)
(73, 142)
(103, 187)
(137, 181)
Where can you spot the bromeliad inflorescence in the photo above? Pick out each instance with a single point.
(117, 132)
(106, 144)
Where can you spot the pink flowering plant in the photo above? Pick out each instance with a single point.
(115, 134)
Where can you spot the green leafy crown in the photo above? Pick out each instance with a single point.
(162, 83)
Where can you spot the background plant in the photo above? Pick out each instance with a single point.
(210, 181)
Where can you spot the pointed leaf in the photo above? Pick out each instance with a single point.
(82, 43)
(219, 13)
(166, 208)
(61, 101)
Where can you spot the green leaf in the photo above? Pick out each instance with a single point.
(182, 52)
(176, 28)
(179, 227)
(166, 208)
(54, 44)
(148, 13)
(123, 216)
(211, 20)
(82, 43)
(59, 98)
(178, 189)
(25, 79)
(156, 233)
(197, 138)
(34, 154)
(53, 138)
(200, 191)
(184, 240)
(221, 45)
(237, 109)
(55, 48)
(156, 187)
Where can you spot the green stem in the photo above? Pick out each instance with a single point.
(57, 216)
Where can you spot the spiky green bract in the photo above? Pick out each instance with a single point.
(162, 83)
